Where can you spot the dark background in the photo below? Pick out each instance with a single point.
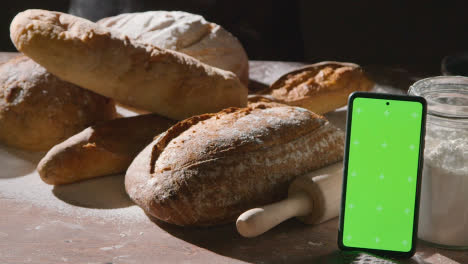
(412, 33)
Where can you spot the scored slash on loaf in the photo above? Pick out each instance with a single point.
(208, 169)
(141, 75)
(321, 87)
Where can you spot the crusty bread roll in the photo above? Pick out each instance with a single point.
(103, 149)
(187, 33)
(320, 87)
(208, 169)
(144, 76)
(38, 110)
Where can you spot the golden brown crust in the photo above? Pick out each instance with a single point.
(38, 110)
(158, 80)
(257, 99)
(208, 169)
(320, 87)
(186, 33)
(103, 149)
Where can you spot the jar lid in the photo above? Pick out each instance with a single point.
(446, 96)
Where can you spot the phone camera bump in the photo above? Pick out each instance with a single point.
(388, 103)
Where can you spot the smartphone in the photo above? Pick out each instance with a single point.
(382, 174)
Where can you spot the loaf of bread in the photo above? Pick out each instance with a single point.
(162, 81)
(320, 87)
(38, 110)
(103, 149)
(208, 169)
(187, 33)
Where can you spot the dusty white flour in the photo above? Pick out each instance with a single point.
(103, 197)
(443, 217)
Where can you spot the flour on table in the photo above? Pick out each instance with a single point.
(103, 197)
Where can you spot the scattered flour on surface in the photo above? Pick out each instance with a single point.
(103, 197)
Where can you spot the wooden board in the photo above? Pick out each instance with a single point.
(33, 231)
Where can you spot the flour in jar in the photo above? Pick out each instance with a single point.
(443, 217)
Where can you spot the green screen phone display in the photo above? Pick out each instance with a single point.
(382, 174)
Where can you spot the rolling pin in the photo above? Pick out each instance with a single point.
(314, 198)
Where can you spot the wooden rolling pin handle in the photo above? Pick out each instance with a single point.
(313, 198)
(257, 221)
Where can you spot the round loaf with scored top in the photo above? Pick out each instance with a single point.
(208, 169)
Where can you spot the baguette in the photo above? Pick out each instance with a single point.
(208, 169)
(320, 87)
(140, 75)
(103, 149)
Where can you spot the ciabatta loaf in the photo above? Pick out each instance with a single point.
(162, 81)
(208, 169)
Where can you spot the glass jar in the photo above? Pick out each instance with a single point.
(443, 213)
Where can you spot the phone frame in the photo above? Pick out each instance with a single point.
(385, 253)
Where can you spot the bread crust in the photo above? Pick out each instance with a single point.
(208, 169)
(103, 149)
(144, 76)
(39, 110)
(186, 33)
(320, 87)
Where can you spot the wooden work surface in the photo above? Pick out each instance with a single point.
(30, 233)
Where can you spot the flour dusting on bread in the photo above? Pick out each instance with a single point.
(208, 169)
